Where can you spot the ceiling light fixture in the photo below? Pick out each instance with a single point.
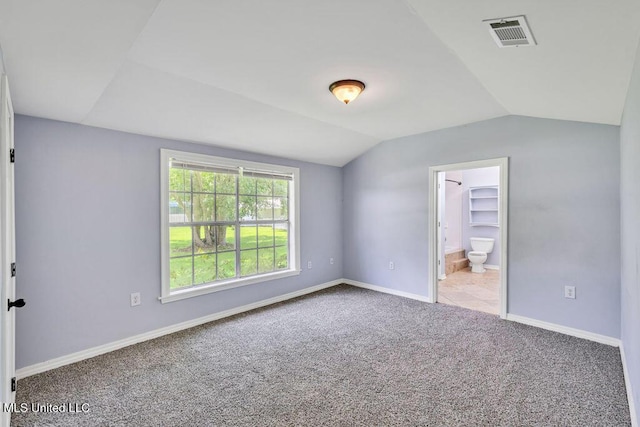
(346, 90)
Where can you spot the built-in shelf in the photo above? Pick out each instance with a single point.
(483, 206)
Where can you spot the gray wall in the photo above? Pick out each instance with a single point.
(630, 231)
(564, 214)
(88, 234)
(480, 177)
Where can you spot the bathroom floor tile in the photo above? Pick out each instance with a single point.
(445, 300)
(475, 291)
(460, 296)
(482, 294)
(479, 306)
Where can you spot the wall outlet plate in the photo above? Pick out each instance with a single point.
(331, 261)
(392, 266)
(309, 265)
(135, 299)
(570, 292)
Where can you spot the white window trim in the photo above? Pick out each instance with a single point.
(294, 226)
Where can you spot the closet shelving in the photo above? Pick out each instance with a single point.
(483, 206)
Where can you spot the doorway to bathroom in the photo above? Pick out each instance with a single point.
(468, 235)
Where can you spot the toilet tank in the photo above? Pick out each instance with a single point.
(482, 244)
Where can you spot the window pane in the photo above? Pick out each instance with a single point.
(281, 258)
(265, 236)
(247, 185)
(265, 260)
(281, 234)
(248, 237)
(226, 265)
(204, 238)
(247, 208)
(179, 180)
(203, 181)
(179, 241)
(225, 208)
(280, 208)
(280, 187)
(204, 268)
(226, 235)
(265, 208)
(265, 186)
(224, 225)
(248, 262)
(180, 272)
(225, 183)
(203, 207)
(179, 207)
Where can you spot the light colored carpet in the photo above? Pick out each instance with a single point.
(343, 357)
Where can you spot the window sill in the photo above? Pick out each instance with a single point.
(215, 287)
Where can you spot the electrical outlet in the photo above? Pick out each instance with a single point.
(392, 266)
(309, 265)
(135, 299)
(570, 292)
(331, 261)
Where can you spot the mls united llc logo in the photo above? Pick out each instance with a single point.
(70, 408)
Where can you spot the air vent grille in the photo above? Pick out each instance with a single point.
(511, 32)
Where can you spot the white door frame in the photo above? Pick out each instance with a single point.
(7, 253)
(503, 164)
(440, 209)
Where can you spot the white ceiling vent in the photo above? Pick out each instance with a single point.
(511, 32)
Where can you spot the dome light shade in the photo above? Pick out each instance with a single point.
(346, 90)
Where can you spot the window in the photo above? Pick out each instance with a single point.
(225, 223)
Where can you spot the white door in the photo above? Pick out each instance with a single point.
(7, 254)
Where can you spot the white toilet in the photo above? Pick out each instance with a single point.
(478, 256)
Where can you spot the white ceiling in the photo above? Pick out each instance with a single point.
(254, 74)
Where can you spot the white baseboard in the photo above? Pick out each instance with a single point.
(627, 381)
(385, 290)
(492, 267)
(106, 348)
(579, 333)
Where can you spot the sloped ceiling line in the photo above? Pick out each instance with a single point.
(122, 62)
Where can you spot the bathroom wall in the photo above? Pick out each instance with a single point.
(630, 231)
(453, 210)
(479, 178)
(564, 215)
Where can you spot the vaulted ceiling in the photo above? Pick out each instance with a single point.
(254, 74)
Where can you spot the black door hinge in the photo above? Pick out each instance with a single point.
(13, 269)
(12, 155)
(13, 384)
